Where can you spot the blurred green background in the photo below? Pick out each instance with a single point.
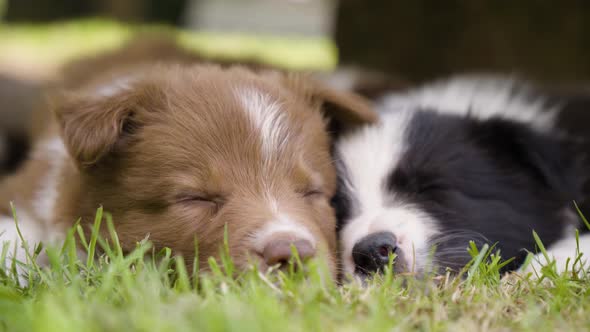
(36, 37)
(413, 40)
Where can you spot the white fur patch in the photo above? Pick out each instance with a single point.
(114, 87)
(369, 155)
(481, 97)
(564, 252)
(266, 116)
(54, 151)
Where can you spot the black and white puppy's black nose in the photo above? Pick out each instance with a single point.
(371, 253)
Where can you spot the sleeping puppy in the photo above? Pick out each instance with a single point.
(176, 153)
(468, 159)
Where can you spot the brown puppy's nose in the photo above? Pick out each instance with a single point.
(278, 250)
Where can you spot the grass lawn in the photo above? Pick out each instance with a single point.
(137, 292)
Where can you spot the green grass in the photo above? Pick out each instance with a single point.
(155, 292)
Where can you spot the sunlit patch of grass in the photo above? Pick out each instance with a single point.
(50, 45)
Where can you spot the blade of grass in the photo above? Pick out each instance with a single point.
(69, 249)
(476, 263)
(582, 215)
(182, 283)
(541, 246)
(94, 238)
(24, 243)
(195, 272)
(81, 235)
(113, 235)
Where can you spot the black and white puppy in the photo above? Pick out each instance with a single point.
(466, 159)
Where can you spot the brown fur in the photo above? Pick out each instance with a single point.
(177, 133)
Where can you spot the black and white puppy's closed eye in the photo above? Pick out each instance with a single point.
(458, 161)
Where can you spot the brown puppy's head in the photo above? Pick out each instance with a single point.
(179, 153)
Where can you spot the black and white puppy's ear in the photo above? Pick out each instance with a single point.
(551, 158)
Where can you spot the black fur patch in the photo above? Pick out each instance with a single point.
(342, 201)
(17, 148)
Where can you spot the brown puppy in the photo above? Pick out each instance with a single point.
(178, 152)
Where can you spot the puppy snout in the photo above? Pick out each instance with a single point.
(278, 250)
(371, 253)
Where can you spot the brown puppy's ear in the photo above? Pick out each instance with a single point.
(93, 124)
(344, 110)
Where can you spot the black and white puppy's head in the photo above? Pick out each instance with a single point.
(458, 161)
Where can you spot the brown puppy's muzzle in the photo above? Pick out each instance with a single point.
(279, 249)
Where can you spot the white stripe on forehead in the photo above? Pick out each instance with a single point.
(371, 154)
(115, 86)
(266, 116)
(480, 96)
